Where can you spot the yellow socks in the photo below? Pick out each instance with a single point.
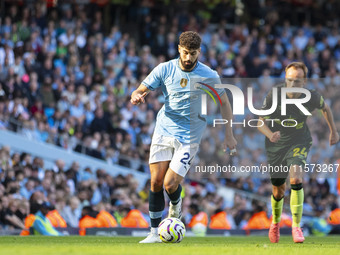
(276, 209)
(296, 203)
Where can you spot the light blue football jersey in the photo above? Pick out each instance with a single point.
(180, 115)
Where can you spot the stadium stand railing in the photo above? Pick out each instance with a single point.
(50, 153)
(135, 164)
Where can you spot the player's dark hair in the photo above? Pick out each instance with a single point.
(298, 65)
(190, 40)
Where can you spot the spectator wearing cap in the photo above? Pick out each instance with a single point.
(42, 225)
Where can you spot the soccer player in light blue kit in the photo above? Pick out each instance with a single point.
(178, 127)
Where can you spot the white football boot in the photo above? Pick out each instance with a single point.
(152, 237)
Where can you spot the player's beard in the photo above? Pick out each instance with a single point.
(188, 65)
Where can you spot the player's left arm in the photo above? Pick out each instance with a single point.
(227, 114)
(327, 114)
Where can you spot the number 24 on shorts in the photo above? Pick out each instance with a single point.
(298, 152)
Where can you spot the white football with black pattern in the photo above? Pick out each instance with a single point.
(171, 230)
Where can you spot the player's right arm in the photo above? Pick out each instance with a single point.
(151, 82)
(138, 95)
(274, 137)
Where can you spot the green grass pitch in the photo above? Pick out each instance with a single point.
(74, 245)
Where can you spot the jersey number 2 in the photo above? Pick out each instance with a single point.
(183, 160)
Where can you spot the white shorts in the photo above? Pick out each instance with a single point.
(179, 154)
